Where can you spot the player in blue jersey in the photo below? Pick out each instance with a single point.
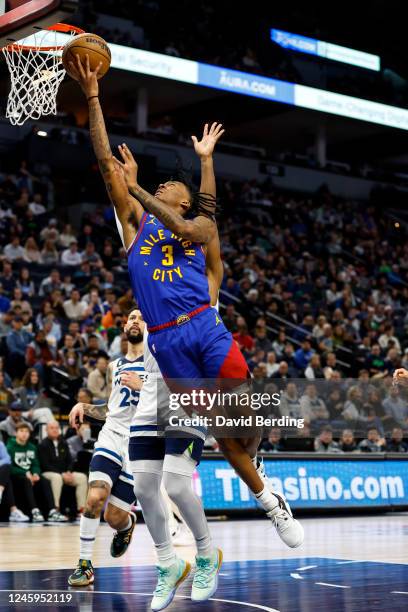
(167, 270)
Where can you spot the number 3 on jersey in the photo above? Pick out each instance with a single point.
(127, 394)
(168, 259)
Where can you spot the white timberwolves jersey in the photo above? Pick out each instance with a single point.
(154, 395)
(123, 401)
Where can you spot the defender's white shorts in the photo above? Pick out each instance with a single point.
(110, 463)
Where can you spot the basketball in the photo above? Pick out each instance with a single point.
(90, 44)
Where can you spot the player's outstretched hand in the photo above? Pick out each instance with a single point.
(76, 416)
(87, 78)
(128, 165)
(400, 377)
(131, 380)
(205, 146)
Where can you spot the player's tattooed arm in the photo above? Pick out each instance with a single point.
(204, 148)
(128, 209)
(201, 229)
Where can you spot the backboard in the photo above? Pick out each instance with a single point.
(20, 18)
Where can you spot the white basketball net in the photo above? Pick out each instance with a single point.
(36, 75)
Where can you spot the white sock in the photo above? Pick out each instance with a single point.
(205, 547)
(87, 534)
(128, 524)
(165, 554)
(267, 500)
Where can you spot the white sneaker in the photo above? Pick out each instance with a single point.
(56, 517)
(183, 536)
(18, 517)
(289, 529)
(37, 516)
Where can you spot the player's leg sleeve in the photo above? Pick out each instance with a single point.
(177, 474)
(147, 491)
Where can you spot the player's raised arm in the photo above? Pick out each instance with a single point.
(204, 149)
(129, 210)
(200, 229)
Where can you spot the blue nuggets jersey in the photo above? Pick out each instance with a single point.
(167, 273)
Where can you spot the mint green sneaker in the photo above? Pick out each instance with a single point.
(205, 581)
(169, 580)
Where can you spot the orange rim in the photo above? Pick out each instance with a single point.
(57, 27)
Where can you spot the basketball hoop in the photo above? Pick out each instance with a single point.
(36, 72)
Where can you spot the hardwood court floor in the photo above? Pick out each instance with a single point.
(349, 564)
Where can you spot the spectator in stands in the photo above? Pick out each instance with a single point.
(331, 365)
(97, 383)
(119, 347)
(39, 354)
(275, 443)
(314, 369)
(283, 371)
(14, 251)
(18, 301)
(324, 443)
(347, 442)
(272, 367)
(388, 337)
(36, 206)
(66, 237)
(6, 395)
(353, 406)
(71, 256)
(90, 256)
(290, 403)
(242, 337)
(49, 253)
(303, 355)
(32, 253)
(396, 442)
(33, 489)
(50, 283)
(261, 339)
(33, 399)
(75, 308)
(373, 443)
(76, 443)
(396, 408)
(17, 341)
(313, 408)
(71, 363)
(74, 331)
(6, 488)
(15, 416)
(4, 301)
(25, 284)
(50, 233)
(56, 465)
(375, 362)
(7, 279)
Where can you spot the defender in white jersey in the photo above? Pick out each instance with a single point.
(110, 477)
